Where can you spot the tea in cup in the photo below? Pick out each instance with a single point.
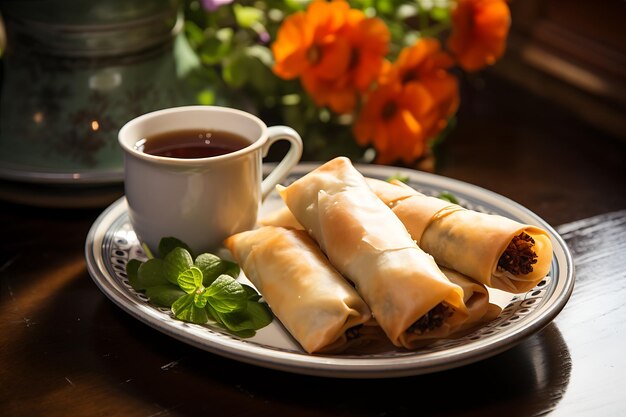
(195, 173)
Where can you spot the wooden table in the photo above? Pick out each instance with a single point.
(65, 349)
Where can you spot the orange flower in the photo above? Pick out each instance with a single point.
(427, 64)
(368, 39)
(335, 50)
(369, 43)
(308, 41)
(392, 119)
(479, 31)
(339, 95)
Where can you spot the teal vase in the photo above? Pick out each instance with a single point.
(73, 73)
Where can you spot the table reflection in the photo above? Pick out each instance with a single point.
(526, 380)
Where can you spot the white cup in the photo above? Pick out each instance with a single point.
(204, 200)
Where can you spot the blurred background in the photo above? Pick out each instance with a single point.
(571, 52)
(73, 73)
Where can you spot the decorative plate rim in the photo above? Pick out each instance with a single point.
(24, 173)
(411, 363)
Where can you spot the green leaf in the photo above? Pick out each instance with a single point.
(150, 274)
(185, 309)
(226, 295)
(255, 316)
(217, 47)
(242, 323)
(232, 269)
(251, 293)
(213, 315)
(400, 177)
(447, 196)
(295, 5)
(212, 267)
(206, 97)
(259, 75)
(190, 280)
(244, 334)
(262, 53)
(247, 16)
(440, 14)
(168, 244)
(132, 267)
(200, 300)
(235, 70)
(164, 295)
(194, 33)
(385, 6)
(177, 261)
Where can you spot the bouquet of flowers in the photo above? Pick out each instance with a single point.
(377, 75)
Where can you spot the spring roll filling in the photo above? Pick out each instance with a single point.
(431, 320)
(353, 332)
(518, 258)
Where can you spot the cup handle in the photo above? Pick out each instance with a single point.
(276, 133)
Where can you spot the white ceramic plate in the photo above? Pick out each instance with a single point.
(111, 242)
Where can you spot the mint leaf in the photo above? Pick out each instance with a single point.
(177, 261)
(254, 316)
(244, 323)
(200, 299)
(213, 315)
(190, 280)
(260, 314)
(449, 197)
(164, 295)
(132, 266)
(185, 309)
(251, 293)
(244, 334)
(226, 295)
(398, 176)
(168, 244)
(149, 274)
(201, 290)
(212, 267)
(232, 269)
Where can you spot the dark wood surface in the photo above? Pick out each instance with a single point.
(65, 349)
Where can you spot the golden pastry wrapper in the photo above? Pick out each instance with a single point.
(310, 298)
(369, 245)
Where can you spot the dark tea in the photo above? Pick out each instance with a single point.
(192, 143)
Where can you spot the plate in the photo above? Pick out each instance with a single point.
(111, 242)
(37, 175)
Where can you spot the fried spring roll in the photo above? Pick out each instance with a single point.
(320, 309)
(475, 294)
(476, 299)
(494, 250)
(409, 296)
(281, 217)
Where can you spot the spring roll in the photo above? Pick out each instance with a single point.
(281, 217)
(476, 299)
(409, 296)
(475, 294)
(318, 307)
(494, 250)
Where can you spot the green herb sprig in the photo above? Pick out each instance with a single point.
(399, 177)
(448, 196)
(199, 290)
